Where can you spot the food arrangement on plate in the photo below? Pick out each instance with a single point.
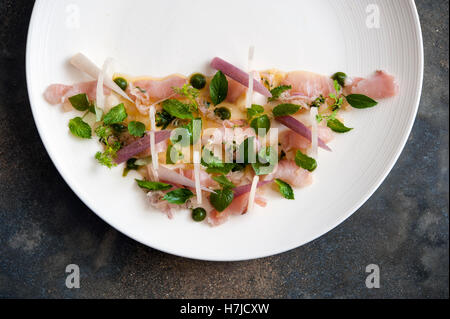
(213, 144)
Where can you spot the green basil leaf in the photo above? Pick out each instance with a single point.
(285, 189)
(261, 122)
(136, 129)
(177, 109)
(116, 115)
(80, 102)
(285, 109)
(179, 196)
(304, 161)
(221, 199)
(337, 126)
(153, 186)
(276, 92)
(214, 165)
(218, 89)
(360, 101)
(254, 110)
(80, 128)
(222, 180)
(266, 161)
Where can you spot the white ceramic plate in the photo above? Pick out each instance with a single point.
(162, 37)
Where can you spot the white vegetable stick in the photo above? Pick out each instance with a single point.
(251, 197)
(314, 133)
(152, 138)
(82, 63)
(251, 76)
(198, 190)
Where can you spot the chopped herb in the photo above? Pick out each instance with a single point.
(337, 86)
(122, 83)
(80, 128)
(337, 126)
(360, 101)
(285, 189)
(276, 92)
(318, 101)
(136, 129)
(163, 119)
(177, 109)
(218, 88)
(153, 186)
(254, 110)
(221, 199)
(266, 161)
(107, 157)
(103, 132)
(285, 109)
(223, 181)
(338, 100)
(305, 162)
(80, 102)
(261, 125)
(141, 90)
(179, 196)
(116, 115)
(131, 166)
(214, 165)
(188, 92)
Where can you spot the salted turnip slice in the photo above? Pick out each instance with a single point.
(238, 75)
(300, 129)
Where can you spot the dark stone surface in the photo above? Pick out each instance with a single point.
(44, 227)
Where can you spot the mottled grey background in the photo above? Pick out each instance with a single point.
(44, 226)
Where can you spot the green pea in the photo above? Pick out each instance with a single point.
(340, 77)
(198, 214)
(223, 113)
(122, 83)
(198, 81)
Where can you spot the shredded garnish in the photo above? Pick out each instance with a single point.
(251, 197)
(152, 141)
(198, 189)
(251, 76)
(314, 133)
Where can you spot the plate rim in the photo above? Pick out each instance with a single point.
(344, 217)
